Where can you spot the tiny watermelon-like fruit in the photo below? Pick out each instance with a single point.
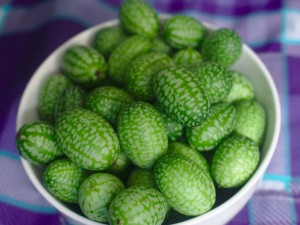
(250, 120)
(124, 53)
(241, 89)
(87, 139)
(187, 57)
(63, 178)
(72, 97)
(142, 134)
(96, 193)
(140, 73)
(216, 79)
(160, 46)
(219, 124)
(141, 177)
(182, 31)
(37, 143)
(84, 65)
(107, 39)
(120, 165)
(138, 205)
(187, 188)
(138, 17)
(185, 150)
(174, 129)
(182, 96)
(223, 46)
(108, 102)
(49, 94)
(234, 161)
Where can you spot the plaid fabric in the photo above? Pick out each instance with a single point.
(30, 30)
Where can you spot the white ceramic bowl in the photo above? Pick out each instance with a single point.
(248, 64)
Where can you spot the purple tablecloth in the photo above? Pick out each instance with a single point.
(31, 29)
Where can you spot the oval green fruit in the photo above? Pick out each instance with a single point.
(96, 193)
(234, 161)
(187, 188)
(87, 139)
(141, 177)
(187, 57)
(182, 96)
(138, 205)
(120, 165)
(142, 134)
(219, 124)
(63, 178)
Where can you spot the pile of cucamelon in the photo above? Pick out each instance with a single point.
(154, 96)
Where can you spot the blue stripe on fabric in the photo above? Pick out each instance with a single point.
(4, 10)
(284, 179)
(284, 38)
(29, 207)
(251, 212)
(10, 155)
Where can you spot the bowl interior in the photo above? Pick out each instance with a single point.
(249, 65)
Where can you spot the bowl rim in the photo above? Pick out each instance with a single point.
(227, 204)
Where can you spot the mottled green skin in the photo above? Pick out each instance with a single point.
(185, 150)
(142, 134)
(49, 94)
(141, 177)
(250, 120)
(223, 46)
(174, 129)
(120, 165)
(138, 17)
(37, 143)
(71, 98)
(182, 96)
(107, 39)
(138, 205)
(108, 102)
(181, 31)
(241, 89)
(187, 188)
(87, 139)
(234, 161)
(140, 73)
(160, 46)
(62, 178)
(219, 124)
(216, 79)
(96, 193)
(187, 57)
(84, 65)
(124, 53)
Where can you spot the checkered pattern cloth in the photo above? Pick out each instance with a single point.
(31, 29)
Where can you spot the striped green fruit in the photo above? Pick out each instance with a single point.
(124, 53)
(187, 188)
(87, 139)
(182, 31)
(187, 57)
(107, 39)
(108, 102)
(142, 134)
(216, 79)
(138, 17)
(223, 46)
(140, 73)
(141, 177)
(182, 96)
(71, 98)
(185, 150)
(160, 46)
(138, 205)
(84, 65)
(174, 129)
(234, 161)
(219, 124)
(241, 89)
(120, 165)
(37, 143)
(96, 193)
(63, 178)
(49, 94)
(250, 120)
